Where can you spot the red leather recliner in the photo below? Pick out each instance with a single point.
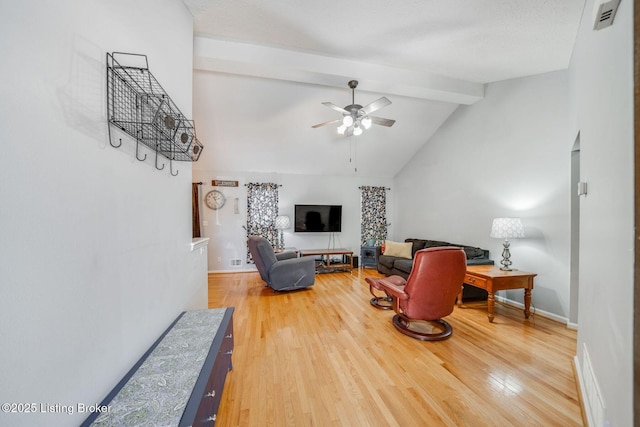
(429, 293)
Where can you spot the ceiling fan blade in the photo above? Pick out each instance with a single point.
(327, 123)
(381, 121)
(335, 107)
(376, 105)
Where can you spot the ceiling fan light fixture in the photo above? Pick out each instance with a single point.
(366, 122)
(355, 117)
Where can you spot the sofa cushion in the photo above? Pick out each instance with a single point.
(386, 260)
(402, 250)
(403, 265)
(417, 244)
(435, 244)
(473, 253)
(479, 261)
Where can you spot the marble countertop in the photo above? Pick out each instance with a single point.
(158, 392)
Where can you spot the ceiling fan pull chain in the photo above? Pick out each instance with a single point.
(353, 154)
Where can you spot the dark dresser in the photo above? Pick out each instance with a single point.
(179, 380)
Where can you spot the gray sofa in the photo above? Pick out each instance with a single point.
(391, 265)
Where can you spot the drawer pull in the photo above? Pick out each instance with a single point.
(212, 393)
(471, 280)
(229, 336)
(211, 418)
(229, 352)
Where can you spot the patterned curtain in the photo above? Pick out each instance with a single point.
(262, 209)
(373, 223)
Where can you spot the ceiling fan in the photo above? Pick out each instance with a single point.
(355, 117)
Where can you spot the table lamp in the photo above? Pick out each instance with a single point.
(506, 228)
(282, 223)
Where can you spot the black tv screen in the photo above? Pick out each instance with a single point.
(318, 218)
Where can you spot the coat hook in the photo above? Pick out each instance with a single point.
(171, 168)
(157, 160)
(110, 140)
(138, 157)
(107, 99)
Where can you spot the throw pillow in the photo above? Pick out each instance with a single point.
(401, 250)
(473, 252)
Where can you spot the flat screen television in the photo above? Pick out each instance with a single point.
(318, 218)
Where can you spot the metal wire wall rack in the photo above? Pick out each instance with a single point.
(140, 107)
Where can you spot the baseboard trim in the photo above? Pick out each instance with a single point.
(580, 387)
(254, 270)
(535, 311)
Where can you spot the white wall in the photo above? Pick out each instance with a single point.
(228, 238)
(602, 94)
(507, 155)
(94, 245)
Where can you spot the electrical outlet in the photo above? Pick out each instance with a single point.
(205, 223)
(219, 259)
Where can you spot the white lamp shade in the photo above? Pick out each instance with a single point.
(347, 121)
(282, 222)
(506, 228)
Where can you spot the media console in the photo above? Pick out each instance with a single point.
(324, 265)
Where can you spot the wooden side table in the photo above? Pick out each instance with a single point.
(492, 279)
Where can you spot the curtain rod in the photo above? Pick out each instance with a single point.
(199, 183)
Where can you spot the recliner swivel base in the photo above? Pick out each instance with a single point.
(411, 327)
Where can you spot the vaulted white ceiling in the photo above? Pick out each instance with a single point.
(262, 70)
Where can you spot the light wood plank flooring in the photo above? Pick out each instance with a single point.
(325, 357)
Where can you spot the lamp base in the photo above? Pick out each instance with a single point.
(506, 262)
(281, 243)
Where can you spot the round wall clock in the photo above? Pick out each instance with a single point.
(214, 199)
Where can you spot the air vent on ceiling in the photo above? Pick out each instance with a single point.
(605, 14)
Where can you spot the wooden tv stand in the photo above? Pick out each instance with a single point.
(324, 265)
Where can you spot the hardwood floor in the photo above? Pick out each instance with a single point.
(325, 357)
